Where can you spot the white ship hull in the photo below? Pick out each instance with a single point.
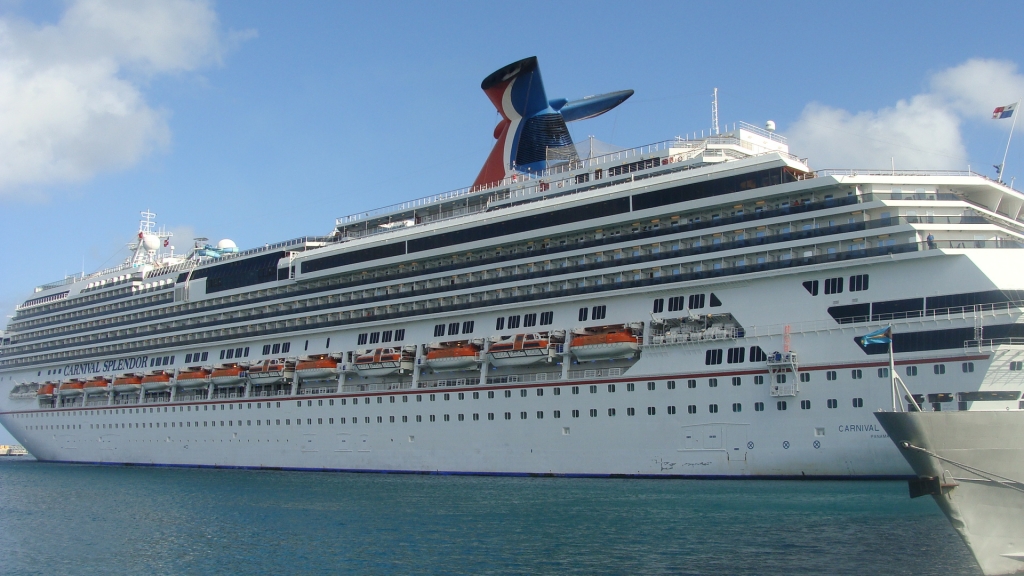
(819, 441)
(978, 480)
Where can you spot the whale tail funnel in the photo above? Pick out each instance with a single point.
(532, 133)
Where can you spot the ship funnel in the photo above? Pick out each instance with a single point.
(532, 134)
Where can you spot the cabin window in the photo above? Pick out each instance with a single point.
(832, 403)
(598, 312)
(360, 341)
(453, 328)
(467, 326)
(713, 357)
(659, 305)
(671, 385)
(736, 355)
(805, 404)
(583, 314)
(499, 324)
(547, 318)
(812, 287)
(858, 402)
(399, 334)
(529, 320)
(858, 282)
(385, 336)
(513, 322)
(438, 330)
(374, 337)
(834, 285)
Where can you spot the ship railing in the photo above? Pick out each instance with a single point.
(989, 344)
(582, 163)
(963, 312)
(318, 391)
(887, 172)
(695, 337)
(594, 373)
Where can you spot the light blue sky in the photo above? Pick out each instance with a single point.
(260, 121)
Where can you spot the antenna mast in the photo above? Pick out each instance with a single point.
(714, 113)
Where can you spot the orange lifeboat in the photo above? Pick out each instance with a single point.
(381, 361)
(72, 388)
(193, 378)
(226, 376)
(451, 357)
(268, 372)
(45, 391)
(127, 383)
(519, 350)
(156, 381)
(317, 368)
(605, 345)
(96, 386)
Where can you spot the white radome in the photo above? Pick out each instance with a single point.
(151, 242)
(226, 244)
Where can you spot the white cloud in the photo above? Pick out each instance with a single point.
(70, 101)
(922, 132)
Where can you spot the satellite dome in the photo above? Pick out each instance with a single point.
(151, 242)
(226, 244)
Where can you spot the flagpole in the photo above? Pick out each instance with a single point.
(892, 376)
(1002, 165)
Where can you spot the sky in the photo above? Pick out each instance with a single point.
(261, 121)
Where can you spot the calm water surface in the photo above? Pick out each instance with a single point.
(117, 520)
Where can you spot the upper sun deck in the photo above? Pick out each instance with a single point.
(743, 141)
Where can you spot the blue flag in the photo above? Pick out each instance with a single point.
(880, 336)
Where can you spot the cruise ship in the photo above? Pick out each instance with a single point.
(692, 307)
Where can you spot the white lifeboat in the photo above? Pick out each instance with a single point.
(96, 386)
(382, 361)
(452, 356)
(127, 383)
(520, 350)
(269, 372)
(192, 378)
(156, 382)
(604, 343)
(321, 367)
(230, 375)
(71, 388)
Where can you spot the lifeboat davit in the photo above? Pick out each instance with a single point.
(318, 368)
(519, 350)
(605, 345)
(127, 383)
(268, 372)
(46, 391)
(448, 358)
(379, 362)
(226, 376)
(96, 386)
(72, 388)
(193, 378)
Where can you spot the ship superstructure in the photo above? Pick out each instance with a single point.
(690, 307)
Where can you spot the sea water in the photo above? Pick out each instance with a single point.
(67, 519)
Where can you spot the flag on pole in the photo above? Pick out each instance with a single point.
(880, 336)
(1004, 111)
